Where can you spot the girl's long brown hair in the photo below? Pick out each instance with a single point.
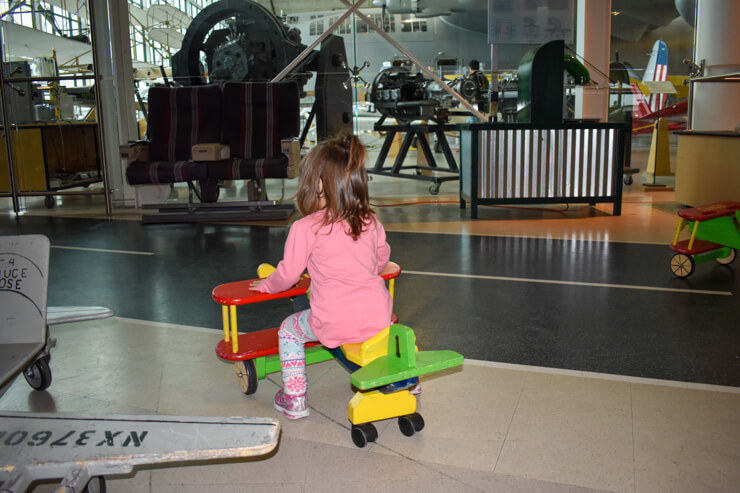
(338, 164)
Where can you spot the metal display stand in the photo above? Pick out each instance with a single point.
(657, 88)
(419, 131)
(79, 448)
(24, 262)
(252, 210)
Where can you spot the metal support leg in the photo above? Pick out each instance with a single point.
(404, 150)
(385, 150)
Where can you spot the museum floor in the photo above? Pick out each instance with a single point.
(589, 367)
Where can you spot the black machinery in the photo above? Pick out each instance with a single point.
(399, 93)
(240, 40)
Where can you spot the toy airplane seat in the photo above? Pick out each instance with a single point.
(384, 370)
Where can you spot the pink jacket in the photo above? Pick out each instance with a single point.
(349, 300)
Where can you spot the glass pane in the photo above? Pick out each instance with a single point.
(642, 54)
(47, 63)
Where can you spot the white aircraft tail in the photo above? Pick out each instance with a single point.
(657, 70)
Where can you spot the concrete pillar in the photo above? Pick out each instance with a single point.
(123, 74)
(115, 82)
(716, 105)
(593, 38)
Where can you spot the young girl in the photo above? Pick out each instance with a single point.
(343, 245)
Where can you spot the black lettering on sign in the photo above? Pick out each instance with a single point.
(41, 438)
(84, 437)
(109, 436)
(61, 442)
(16, 437)
(137, 439)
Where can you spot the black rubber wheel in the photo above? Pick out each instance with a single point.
(38, 374)
(95, 485)
(406, 425)
(728, 259)
(49, 202)
(246, 376)
(418, 421)
(434, 188)
(363, 434)
(682, 265)
(628, 179)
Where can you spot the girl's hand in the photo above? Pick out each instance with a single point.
(254, 284)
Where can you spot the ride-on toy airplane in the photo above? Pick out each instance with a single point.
(384, 368)
(715, 235)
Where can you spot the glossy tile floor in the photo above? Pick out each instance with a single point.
(489, 427)
(534, 409)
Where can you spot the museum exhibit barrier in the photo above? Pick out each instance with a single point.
(524, 163)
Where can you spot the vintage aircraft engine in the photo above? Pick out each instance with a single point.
(240, 40)
(236, 40)
(398, 93)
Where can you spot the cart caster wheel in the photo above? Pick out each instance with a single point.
(434, 189)
(246, 376)
(38, 374)
(410, 424)
(418, 172)
(728, 259)
(49, 201)
(95, 485)
(682, 265)
(363, 434)
(628, 180)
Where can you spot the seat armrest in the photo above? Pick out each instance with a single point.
(291, 148)
(135, 151)
(212, 151)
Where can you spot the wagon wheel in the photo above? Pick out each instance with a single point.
(246, 376)
(38, 374)
(682, 265)
(728, 259)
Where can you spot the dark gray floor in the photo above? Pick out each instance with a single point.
(655, 334)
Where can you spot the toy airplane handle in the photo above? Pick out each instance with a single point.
(264, 270)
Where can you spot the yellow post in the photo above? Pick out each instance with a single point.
(391, 286)
(679, 227)
(225, 316)
(234, 335)
(693, 234)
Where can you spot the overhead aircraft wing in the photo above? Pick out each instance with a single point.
(25, 43)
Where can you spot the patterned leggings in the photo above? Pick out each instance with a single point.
(294, 333)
